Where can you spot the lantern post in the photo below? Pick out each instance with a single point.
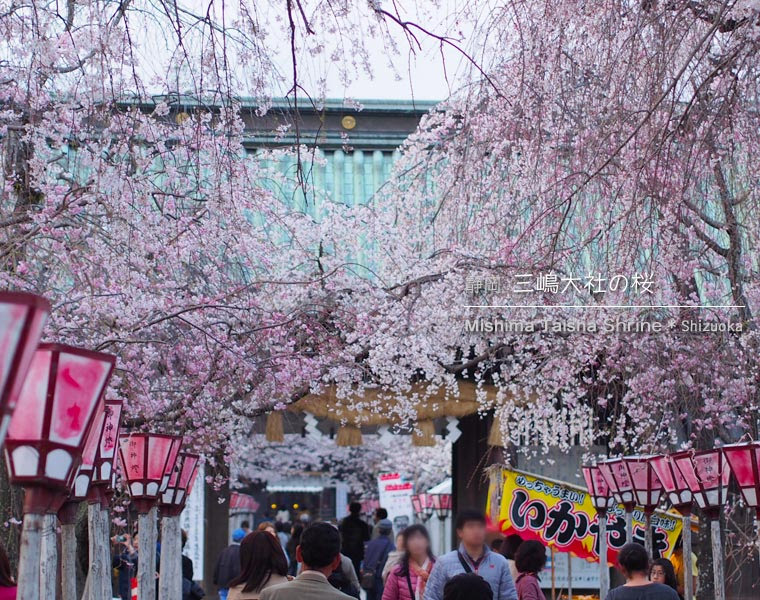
(442, 506)
(147, 461)
(707, 475)
(44, 446)
(647, 491)
(171, 504)
(744, 461)
(680, 496)
(615, 473)
(22, 317)
(601, 497)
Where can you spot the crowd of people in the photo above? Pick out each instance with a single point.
(320, 560)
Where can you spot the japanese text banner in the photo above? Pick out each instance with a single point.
(563, 516)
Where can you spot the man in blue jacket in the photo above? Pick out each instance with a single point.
(473, 556)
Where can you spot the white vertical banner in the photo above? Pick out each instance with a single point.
(193, 522)
(341, 500)
(395, 496)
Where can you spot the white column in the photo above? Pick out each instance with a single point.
(688, 575)
(146, 567)
(68, 561)
(105, 551)
(49, 557)
(648, 541)
(29, 560)
(99, 570)
(170, 583)
(604, 570)
(717, 554)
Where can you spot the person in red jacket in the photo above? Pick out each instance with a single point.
(7, 583)
(407, 580)
(530, 559)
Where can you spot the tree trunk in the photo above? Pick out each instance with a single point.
(29, 560)
(170, 582)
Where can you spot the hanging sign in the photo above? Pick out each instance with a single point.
(396, 497)
(562, 515)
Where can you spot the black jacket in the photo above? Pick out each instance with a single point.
(227, 566)
(355, 533)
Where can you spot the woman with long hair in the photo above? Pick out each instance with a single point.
(7, 583)
(662, 571)
(408, 579)
(262, 565)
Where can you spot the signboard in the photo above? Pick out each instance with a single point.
(192, 520)
(562, 515)
(396, 497)
(584, 574)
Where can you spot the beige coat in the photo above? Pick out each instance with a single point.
(237, 593)
(309, 585)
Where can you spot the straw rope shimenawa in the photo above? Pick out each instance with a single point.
(374, 406)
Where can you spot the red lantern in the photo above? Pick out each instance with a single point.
(105, 457)
(615, 473)
(601, 495)
(744, 461)
(442, 505)
(707, 475)
(673, 483)
(171, 462)
(145, 461)
(22, 317)
(56, 408)
(646, 485)
(181, 484)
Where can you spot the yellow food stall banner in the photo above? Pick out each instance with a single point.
(562, 515)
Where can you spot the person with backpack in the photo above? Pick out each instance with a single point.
(374, 560)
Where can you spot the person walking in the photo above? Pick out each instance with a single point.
(125, 560)
(344, 578)
(355, 533)
(319, 555)
(7, 582)
(262, 565)
(467, 586)
(662, 571)
(633, 561)
(380, 515)
(290, 550)
(394, 557)
(508, 550)
(472, 556)
(408, 579)
(228, 564)
(374, 560)
(530, 559)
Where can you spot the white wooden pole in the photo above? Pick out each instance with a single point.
(105, 550)
(648, 541)
(49, 557)
(170, 581)
(100, 568)
(688, 575)
(604, 570)
(29, 559)
(146, 567)
(628, 526)
(68, 561)
(569, 576)
(717, 554)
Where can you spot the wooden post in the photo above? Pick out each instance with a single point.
(68, 561)
(569, 576)
(604, 570)
(648, 541)
(105, 550)
(628, 526)
(717, 555)
(29, 561)
(170, 582)
(95, 573)
(146, 565)
(554, 569)
(688, 575)
(49, 557)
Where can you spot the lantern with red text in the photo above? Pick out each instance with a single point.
(22, 317)
(419, 504)
(145, 461)
(55, 412)
(744, 461)
(442, 505)
(180, 484)
(171, 462)
(615, 473)
(647, 490)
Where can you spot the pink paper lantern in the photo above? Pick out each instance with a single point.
(55, 412)
(22, 317)
(707, 475)
(673, 483)
(598, 490)
(442, 505)
(171, 462)
(145, 460)
(744, 461)
(646, 485)
(181, 484)
(615, 473)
